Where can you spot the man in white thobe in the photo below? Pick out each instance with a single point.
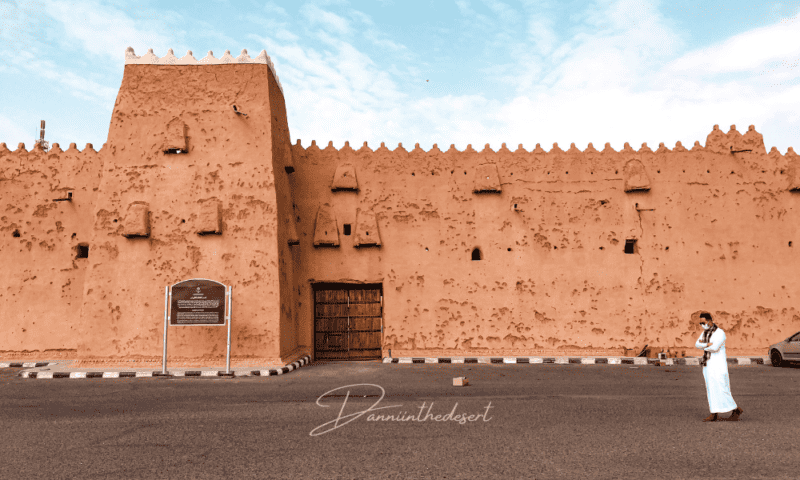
(715, 371)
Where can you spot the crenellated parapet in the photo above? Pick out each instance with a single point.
(151, 58)
(61, 164)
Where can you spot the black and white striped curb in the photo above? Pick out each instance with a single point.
(24, 365)
(177, 373)
(582, 360)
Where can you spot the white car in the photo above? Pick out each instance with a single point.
(787, 350)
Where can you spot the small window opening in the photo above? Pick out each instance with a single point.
(412, 174)
(173, 151)
(183, 220)
(509, 249)
(476, 254)
(115, 220)
(616, 171)
(367, 234)
(347, 229)
(74, 234)
(630, 246)
(555, 248)
(603, 202)
(512, 174)
(567, 173)
(658, 171)
(708, 171)
(602, 248)
(426, 249)
(684, 171)
(16, 234)
(790, 244)
(82, 251)
(515, 206)
(667, 248)
(465, 173)
(451, 172)
(781, 172)
(431, 172)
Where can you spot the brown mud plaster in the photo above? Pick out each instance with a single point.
(552, 276)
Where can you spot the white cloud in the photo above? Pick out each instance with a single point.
(328, 20)
(746, 51)
(9, 131)
(107, 31)
(77, 85)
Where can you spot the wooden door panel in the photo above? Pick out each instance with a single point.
(332, 324)
(365, 340)
(365, 323)
(347, 322)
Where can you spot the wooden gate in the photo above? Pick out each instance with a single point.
(348, 321)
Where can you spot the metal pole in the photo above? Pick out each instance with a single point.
(167, 294)
(229, 295)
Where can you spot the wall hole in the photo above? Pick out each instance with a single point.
(731, 172)
(451, 172)
(465, 173)
(567, 173)
(16, 234)
(790, 244)
(426, 249)
(298, 219)
(684, 171)
(658, 171)
(781, 172)
(630, 246)
(73, 235)
(412, 174)
(555, 248)
(183, 220)
(367, 234)
(115, 220)
(347, 229)
(476, 254)
(603, 202)
(667, 248)
(602, 248)
(82, 250)
(708, 171)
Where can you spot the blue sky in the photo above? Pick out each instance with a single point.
(437, 71)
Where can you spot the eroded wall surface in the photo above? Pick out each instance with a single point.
(210, 211)
(41, 285)
(713, 226)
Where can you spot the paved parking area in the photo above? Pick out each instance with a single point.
(512, 421)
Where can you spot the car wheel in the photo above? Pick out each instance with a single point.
(776, 358)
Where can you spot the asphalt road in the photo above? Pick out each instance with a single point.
(527, 421)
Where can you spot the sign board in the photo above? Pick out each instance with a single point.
(198, 302)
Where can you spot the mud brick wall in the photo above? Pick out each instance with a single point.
(213, 188)
(41, 285)
(715, 229)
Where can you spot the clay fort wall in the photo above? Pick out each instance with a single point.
(713, 226)
(478, 252)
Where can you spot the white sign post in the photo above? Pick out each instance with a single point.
(198, 302)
